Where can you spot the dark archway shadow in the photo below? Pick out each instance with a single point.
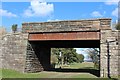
(91, 71)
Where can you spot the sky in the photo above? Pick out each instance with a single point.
(84, 52)
(36, 11)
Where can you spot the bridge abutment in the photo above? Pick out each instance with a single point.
(14, 51)
(32, 61)
(109, 53)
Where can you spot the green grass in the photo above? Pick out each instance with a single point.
(84, 65)
(0, 74)
(7, 73)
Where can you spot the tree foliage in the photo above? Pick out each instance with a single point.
(54, 59)
(68, 55)
(56, 51)
(80, 58)
(14, 28)
(117, 26)
(93, 54)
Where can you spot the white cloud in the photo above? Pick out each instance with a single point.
(6, 13)
(111, 2)
(115, 12)
(28, 13)
(38, 8)
(82, 51)
(53, 20)
(96, 14)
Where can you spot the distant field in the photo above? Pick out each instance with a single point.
(84, 65)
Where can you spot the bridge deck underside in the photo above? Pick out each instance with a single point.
(67, 43)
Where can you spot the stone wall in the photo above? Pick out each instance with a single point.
(109, 35)
(32, 62)
(68, 25)
(18, 54)
(119, 52)
(13, 48)
(114, 55)
(37, 57)
(0, 53)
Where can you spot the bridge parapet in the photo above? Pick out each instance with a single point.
(67, 25)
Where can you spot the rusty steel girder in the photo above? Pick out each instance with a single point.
(65, 36)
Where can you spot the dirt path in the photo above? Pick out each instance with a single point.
(68, 75)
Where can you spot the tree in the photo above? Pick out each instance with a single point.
(56, 51)
(80, 58)
(117, 26)
(68, 55)
(14, 28)
(93, 54)
(54, 60)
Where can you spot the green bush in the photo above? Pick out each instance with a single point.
(118, 26)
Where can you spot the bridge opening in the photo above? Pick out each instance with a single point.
(70, 60)
(61, 57)
(43, 48)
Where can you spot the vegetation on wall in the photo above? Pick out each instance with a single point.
(117, 26)
(14, 28)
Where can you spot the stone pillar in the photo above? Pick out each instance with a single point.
(1, 53)
(103, 52)
(109, 35)
(114, 58)
(119, 52)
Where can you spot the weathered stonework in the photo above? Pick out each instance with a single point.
(109, 35)
(119, 52)
(0, 53)
(32, 62)
(68, 25)
(14, 51)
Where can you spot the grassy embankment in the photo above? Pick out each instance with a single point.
(7, 73)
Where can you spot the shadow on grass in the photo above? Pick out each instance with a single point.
(85, 70)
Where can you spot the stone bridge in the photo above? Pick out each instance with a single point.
(29, 51)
